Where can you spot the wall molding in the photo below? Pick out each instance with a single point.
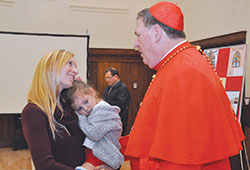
(222, 40)
(7, 2)
(100, 9)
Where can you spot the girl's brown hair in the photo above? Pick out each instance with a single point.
(68, 95)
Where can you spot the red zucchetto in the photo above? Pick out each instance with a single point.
(169, 14)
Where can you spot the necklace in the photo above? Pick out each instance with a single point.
(210, 63)
(205, 57)
(172, 56)
(163, 64)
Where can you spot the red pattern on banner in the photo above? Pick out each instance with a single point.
(222, 62)
(234, 83)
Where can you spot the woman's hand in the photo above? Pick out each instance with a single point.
(103, 167)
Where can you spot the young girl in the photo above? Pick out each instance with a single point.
(101, 124)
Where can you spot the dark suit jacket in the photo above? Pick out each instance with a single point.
(118, 95)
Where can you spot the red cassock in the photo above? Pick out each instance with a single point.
(185, 116)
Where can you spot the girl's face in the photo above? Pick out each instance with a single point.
(84, 103)
(68, 74)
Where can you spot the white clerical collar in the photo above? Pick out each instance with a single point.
(173, 49)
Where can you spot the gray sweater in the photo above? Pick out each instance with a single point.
(103, 127)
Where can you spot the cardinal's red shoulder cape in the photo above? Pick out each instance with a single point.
(185, 116)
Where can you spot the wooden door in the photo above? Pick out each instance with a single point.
(132, 72)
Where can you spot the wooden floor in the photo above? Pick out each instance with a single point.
(125, 166)
(21, 160)
(15, 160)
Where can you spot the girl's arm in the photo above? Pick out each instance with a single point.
(96, 130)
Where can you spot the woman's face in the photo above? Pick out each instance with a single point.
(68, 74)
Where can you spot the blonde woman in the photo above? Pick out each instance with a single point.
(51, 127)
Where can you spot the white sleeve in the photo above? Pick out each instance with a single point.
(80, 168)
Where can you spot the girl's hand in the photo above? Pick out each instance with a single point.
(78, 78)
(103, 167)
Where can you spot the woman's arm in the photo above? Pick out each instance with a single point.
(103, 167)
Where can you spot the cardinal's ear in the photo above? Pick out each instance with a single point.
(157, 32)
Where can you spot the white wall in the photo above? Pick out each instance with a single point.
(247, 93)
(111, 23)
(213, 18)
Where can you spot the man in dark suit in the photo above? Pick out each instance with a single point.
(117, 94)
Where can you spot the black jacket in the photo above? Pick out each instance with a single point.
(118, 95)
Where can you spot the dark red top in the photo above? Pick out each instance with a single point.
(64, 153)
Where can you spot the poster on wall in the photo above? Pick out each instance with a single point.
(234, 99)
(236, 61)
(212, 55)
(230, 64)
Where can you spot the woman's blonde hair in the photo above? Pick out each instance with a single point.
(45, 87)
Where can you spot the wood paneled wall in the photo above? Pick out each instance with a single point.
(132, 72)
(6, 129)
(11, 131)
(223, 40)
